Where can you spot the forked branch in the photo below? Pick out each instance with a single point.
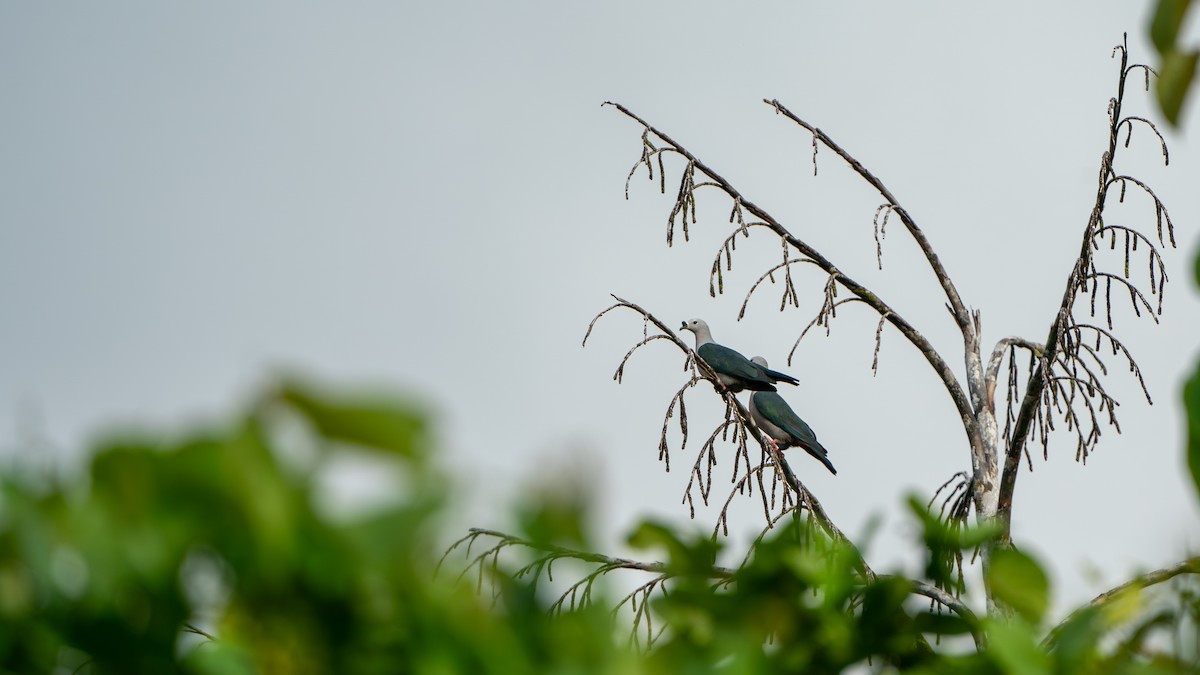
(652, 149)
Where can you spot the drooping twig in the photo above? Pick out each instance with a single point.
(961, 316)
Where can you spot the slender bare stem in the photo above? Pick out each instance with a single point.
(961, 316)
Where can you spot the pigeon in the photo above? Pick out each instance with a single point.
(734, 371)
(776, 418)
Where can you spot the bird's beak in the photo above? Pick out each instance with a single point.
(683, 326)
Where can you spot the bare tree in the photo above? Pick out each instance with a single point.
(1059, 384)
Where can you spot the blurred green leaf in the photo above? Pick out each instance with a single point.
(941, 623)
(1076, 644)
(1165, 23)
(651, 534)
(694, 556)
(1177, 65)
(557, 511)
(1018, 581)
(372, 422)
(945, 543)
(1175, 76)
(102, 575)
(1013, 647)
(1191, 402)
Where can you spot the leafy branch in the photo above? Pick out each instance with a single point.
(580, 593)
(1135, 585)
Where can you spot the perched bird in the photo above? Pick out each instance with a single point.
(776, 418)
(734, 371)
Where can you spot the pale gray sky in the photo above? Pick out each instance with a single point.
(431, 196)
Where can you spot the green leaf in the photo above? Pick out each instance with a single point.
(649, 534)
(1191, 401)
(556, 513)
(1164, 25)
(1175, 76)
(372, 422)
(941, 623)
(1018, 581)
(945, 542)
(1077, 642)
(685, 556)
(1014, 648)
(1196, 270)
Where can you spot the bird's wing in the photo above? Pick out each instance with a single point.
(776, 410)
(729, 362)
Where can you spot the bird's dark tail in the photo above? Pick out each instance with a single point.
(821, 455)
(781, 376)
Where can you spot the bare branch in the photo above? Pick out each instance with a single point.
(880, 222)
(716, 278)
(827, 312)
(953, 604)
(641, 610)
(1160, 210)
(664, 451)
(1128, 123)
(1117, 348)
(789, 290)
(993, 364)
(940, 367)
(1136, 297)
(958, 309)
(586, 556)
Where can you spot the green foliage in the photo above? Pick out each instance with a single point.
(1177, 69)
(1191, 403)
(209, 553)
(106, 574)
(371, 422)
(1018, 582)
(796, 606)
(945, 543)
(1191, 400)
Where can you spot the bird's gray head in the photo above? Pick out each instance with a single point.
(699, 329)
(759, 361)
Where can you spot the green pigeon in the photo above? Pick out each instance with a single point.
(776, 418)
(734, 371)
